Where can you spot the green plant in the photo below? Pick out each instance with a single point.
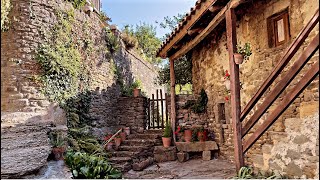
(128, 90)
(244, 173)
(56, 139)
(5, 9)
(85, 166)
(247, 173)
(104, 17)
(77, 4)
(112, 41)
(245, 50)
(167, 131)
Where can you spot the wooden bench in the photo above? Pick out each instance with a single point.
(204, 147)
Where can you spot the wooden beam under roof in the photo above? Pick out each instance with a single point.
(213, 24)
(215, 8)
(196, 30)
(198, 14)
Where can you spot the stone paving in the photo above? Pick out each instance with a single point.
(191, 169)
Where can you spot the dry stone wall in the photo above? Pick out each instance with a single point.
(210, 60)
(21, 99)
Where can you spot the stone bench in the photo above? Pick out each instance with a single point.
(204, 147)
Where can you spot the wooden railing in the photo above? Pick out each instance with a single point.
(157, 111)
(308, 77)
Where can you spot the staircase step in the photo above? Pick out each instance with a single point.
(139, 142)
(132, 148)
(123, 154)
(153, 131)
(123, 167)
(120, 160)
(145, 136)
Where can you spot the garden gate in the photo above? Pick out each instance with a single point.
(157, 111)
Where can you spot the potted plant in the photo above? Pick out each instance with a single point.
(179, 133)
(117, 140)
(136, 88)
(58, 143)
(201, 134)
(188, 135)
(243, 53)
(127, 130)
(166, 137)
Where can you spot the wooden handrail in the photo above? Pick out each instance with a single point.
(112, 137)
(280, 66)
(283, 83)
(285, 103)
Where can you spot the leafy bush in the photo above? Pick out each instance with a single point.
(77, 4)
(113, 42)
(104, 17)
(245, 50)
(56, 139)
(167, 131)
(201, 104)
(85, 166)
(128, 90)
(247, 173)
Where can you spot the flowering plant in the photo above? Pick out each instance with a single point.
(179, 130)
(227, 75)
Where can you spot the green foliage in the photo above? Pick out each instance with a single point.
(104, 17)
(167, 132)
(60, 61)
(198, 106)
(247, 173)
(77, 4)
(128, 90)
(5, 9)
(148, 43)
(245, 50)
(170, 23)
(56, 139)
(182, 71)
(85, 166)
(113, 42)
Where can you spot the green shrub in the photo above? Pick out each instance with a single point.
(167, 131)
(5, 9)
(247, 173)
(56, 139)
(129, 41)
(113, 42)
(85, 166)
(77, 4)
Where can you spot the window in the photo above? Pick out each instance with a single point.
(278, 28)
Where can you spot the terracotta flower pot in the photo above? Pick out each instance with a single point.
(117, 141)
(166, 141)
(127, 130)
(58, 153)
(201, 136)
(110, 146)
(136, 92)
(188, 135)
(123, 136)
(238, 58)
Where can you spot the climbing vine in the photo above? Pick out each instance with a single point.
(5, 9)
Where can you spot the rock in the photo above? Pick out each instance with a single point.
(293, 170)
(293, 154)
(301, 139)
(141, 165)
(206, 155)
(182, 157)
(162, 154)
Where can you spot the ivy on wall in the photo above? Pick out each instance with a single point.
(5, 9)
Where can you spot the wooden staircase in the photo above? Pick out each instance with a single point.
(136, 148)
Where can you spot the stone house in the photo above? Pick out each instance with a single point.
(209, 33)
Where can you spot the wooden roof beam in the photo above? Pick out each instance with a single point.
(215, 8)
(179, 35)
(196, 30)
(211, 26)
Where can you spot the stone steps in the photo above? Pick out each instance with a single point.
(123, 167)
(123, 153)
(119, 160)
(132, 148)
(144, 136)
(138, 142)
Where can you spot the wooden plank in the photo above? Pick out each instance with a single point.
(158, 117)
(167, 108)
(193, 31)
(173, 99)
(211, 26)
(149, 115)
(152, 109)
(284, 61)
(215, 8)
(235, 87)
(283, 83)
(177, 37)
(162, 115)
(285, 103)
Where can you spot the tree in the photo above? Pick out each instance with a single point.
(183, 65)
(148, 43)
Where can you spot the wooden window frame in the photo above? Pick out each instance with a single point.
(273, 28)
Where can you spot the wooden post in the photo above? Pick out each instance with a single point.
(162, 123)
(235, 88)
(158, 118)
(173, 99)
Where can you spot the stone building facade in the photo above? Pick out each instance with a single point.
(291, 145)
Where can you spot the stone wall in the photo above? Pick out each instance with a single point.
(210, 60)
(21, 98)
(132, 112)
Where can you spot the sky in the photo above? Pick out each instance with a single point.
(133, 12)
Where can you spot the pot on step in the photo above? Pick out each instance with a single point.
(58, 153)
(136, 92)
(166, 141)
(123, 136)
(117, 141)
(188, 135)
